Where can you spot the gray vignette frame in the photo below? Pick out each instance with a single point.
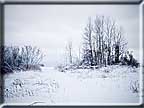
(62, 2)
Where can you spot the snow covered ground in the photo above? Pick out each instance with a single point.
(107, 85)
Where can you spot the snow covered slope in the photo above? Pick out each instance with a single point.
(107, 85)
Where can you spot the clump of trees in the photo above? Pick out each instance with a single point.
(104, 44)
(24, 58)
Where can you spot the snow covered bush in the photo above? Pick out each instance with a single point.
(24, 58)
(134, 86)
(61, 68)
(129, 60)
(22, 85)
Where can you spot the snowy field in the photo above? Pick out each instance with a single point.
(107, 85)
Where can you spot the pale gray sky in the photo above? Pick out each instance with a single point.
(51, 26)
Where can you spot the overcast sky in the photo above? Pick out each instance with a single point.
(50, 27)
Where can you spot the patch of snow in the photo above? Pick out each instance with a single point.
(107, 85)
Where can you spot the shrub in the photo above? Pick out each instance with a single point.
(20, 58)
(61, 68)
(135, 63)
(134, 86)
(128, 59)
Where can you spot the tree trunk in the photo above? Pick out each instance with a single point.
(109, 52)
(117, 54)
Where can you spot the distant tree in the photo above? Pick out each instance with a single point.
(109, 34)
(119, 43)
(99, 38)
(88, 48)
(69, 50)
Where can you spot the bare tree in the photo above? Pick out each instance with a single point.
(119, 43)
(99, 38)
(88, 48)
(109, 34)
(69, 49)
